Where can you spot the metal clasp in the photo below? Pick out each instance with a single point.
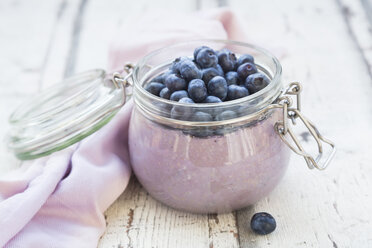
(122, 82)
(282, 128)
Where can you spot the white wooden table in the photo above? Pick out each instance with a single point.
(327, 46)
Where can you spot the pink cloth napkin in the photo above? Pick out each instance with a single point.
(59, 200)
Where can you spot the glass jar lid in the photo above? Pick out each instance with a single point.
(64, 114)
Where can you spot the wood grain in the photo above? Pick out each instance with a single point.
(318, 209)
(326, 45)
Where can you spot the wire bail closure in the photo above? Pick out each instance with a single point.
(122, 82)
(282, 128)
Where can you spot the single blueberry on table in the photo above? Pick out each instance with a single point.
(232, 78)
(206, 58)
(197, 50)
(178, 95)
(263, 223)
(217, 86)
(175, 82)
(165, 93)
(256, 82)
(226, 115)
(212, 99)
(154, 88)
(245, 58)
(245, 70)
(201, 117)
(197, 90)
(210, 73)
(236, 92)
(189, 70)
(182, 112)
(227, 60)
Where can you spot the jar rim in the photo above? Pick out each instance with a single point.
(273, 83)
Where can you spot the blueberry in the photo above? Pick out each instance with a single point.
(197, 90)
(210, 73)
(217, 86)
(178, 95)
(263, 223)
(175, 66)
(227, 60)
(206, 58)
(159, 78)
(212, 99)
(182, 112)
(245, 58)
(164, 75)
(200, 131)
(163, 108)
(186, 100)
(232, 78)
(154, 88)
(175, 82)
(256, 82)
(245, 70)
(189, 70)
(219, 69)
(201, 117)
(197, 50)
(236, 92)
(226, 115)
(165, 93)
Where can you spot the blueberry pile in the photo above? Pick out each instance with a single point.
(209, 77)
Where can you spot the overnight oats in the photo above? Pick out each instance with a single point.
(201, 134)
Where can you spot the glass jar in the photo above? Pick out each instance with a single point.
(219, 165)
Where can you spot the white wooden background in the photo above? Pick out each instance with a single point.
(327, 46)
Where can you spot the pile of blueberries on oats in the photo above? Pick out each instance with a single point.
(210, 77)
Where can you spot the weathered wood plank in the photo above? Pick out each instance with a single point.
(65, 44)
(104, 22)
(223, 231)
(358, 19)
(25, 44)
(318, 209)
(367, 6)
(137, 220)
(321, 46)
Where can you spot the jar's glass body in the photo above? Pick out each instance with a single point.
(207, 167)
(215, 174)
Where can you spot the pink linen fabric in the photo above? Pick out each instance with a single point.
(59, 200)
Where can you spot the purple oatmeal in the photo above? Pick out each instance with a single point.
(218, 173)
